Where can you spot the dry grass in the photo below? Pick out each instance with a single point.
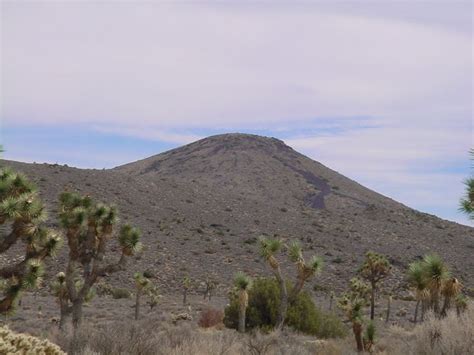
(152, 337)
(451, 335)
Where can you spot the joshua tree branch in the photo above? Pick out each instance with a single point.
(7, 241)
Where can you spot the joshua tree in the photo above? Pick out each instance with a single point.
(186, 286)
(467, 202)
(88, 227)
(242, 283)
(418, 282)
(450, 290)
(210, 285)
(305, 270)
(375, 268)
(22, 215)
(436, 273)
(142, 285)
(352, 303)
(153, 297)
(268, 249)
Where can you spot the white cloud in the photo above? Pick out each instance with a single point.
(172, 66)
(149, 134)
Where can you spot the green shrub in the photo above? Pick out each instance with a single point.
(120, 293)
(262, 312)
(330, 326)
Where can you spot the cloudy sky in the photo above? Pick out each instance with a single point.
(379, 91)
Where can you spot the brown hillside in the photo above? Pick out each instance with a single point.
(202, 206)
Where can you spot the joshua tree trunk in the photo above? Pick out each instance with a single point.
(357, 329)
(389, 305)
(137, 304)
(65, 312)
(372, 301)
(446, 305)
(296, 290)
(330, 302)
(416, 310)
(283, 298)
(242, 310)
(423, 309)
(77, 313)
(435, 299)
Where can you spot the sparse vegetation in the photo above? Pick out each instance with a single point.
(272, 315)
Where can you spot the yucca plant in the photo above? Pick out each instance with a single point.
(369, 336)
(418, 283)
(436, 273)
(88, 226)
(242, 283)
(22, 215)
(375, 268)
(461, 303)
(268, 249)
(352, 303)
(450, 289)
(305, 270)
(142, 284)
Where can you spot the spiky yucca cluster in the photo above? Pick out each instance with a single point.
(88, 226)
(17, 343)
(23, 213)
(431, 280)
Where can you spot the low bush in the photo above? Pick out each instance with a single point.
(303, 315)
(118, 293)
(210, 317)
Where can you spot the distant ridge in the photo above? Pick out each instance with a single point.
(202, 206)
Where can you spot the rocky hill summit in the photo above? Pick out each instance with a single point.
(202, 206)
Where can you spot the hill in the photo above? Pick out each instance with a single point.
(202, 206)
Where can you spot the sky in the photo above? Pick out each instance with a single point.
(378, 91)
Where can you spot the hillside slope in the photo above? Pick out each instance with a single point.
(202, 206)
